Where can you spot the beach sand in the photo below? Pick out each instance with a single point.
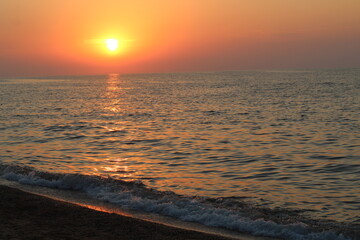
(28, 216)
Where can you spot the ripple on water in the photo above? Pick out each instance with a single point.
(287, 137)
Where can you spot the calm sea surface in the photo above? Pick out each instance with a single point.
(287, 139)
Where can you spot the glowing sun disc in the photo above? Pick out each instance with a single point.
(112, 44)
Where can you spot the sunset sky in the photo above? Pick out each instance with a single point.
(67, 37)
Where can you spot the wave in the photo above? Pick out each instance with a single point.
(229, 213)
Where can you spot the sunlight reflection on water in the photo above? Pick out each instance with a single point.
(288, 138)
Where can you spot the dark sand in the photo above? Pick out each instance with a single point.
(29, 216)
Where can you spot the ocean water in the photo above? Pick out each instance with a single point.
(273, 153)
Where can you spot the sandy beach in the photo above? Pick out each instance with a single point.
(29, 216)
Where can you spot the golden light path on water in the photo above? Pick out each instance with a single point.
(241, 134)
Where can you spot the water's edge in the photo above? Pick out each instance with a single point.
(83, 200)
(135, 197)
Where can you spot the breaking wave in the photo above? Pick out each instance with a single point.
(229, 213)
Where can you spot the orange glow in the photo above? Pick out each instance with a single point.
(164, 36)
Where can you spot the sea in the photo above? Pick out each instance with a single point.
(271, 153)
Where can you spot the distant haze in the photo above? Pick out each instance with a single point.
(51, 37)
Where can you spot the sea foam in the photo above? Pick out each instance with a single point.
(137, 196)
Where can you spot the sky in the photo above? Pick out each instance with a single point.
(52, 37)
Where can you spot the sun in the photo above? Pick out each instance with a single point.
(112, 44)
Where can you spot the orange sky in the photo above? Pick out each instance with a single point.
(53, 37)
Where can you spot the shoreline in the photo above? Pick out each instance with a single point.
(40, 200)
(25, 215)
(29, 216)
(27, 209)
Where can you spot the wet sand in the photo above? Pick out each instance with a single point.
(29, 216)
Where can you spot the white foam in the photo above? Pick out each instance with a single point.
(136, 196)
